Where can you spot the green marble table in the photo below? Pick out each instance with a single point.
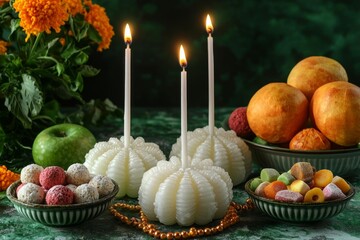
(162, 126)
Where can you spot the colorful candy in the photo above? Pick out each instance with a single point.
(274, 187)
(299, 186)
(322, 178)
(269, 174)
(303, 171)
(288, 196)
(314, 195)
(341, 183)
(332, 192)
(286, 178)
(302, 183)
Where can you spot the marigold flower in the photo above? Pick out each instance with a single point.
(97, 17)
(38, 16)
(62, 41)
(7, 177)
(3, 47)
(2, 2)
(74, 6)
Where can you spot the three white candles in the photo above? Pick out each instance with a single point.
(127, 101)
(184, 153)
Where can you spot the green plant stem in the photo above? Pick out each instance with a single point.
(35, 43)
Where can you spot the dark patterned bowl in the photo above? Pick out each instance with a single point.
(342, 162)
(299, 212)
(57, 215)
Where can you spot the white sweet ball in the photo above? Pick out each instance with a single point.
(195, 195)
(103, 184)
(85, 193)
(125, 166)
(31, 193)
(77, 174)
(31, 173)
(223, 147)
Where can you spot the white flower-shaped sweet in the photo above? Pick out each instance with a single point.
(126, 166)
(195, 195)
(225, 148)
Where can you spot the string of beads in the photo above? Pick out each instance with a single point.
(142, 223)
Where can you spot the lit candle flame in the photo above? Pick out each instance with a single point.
(209, 26)
(182, 59)
(127, 35)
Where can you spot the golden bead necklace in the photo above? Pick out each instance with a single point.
(231, 217)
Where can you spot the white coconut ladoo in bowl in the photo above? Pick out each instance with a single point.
(227, 151)
(196, 194)
(125, 166)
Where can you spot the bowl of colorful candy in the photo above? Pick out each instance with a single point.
(343, 162)
(54, 197)
(301, 194)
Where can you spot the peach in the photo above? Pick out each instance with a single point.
(309, 139)
(335, 111)
(312, 72)
(276, 112)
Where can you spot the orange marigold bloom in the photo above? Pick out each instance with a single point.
(62, 41)
(38, 16)
(99, 20)
(7, 177)
(74, 6)
(2, 2)
(3, 47)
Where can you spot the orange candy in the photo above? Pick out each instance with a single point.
(322, 178)
(314, 195)
(341, 183)
(271, 189)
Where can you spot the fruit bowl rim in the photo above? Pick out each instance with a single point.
(11, 191)
(349, 195)
(280, 149)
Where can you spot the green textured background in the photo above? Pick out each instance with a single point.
(255, 42)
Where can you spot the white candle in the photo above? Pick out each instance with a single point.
(127, 100)
(210, 29)
(184, 154)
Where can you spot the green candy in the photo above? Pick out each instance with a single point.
(255, 183)
(269, 174)
(286, 178)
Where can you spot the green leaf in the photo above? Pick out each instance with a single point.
(78, 85)
(69, 51)
(14, 26)
(88, 71)
(25, 102)
(2, 140)
(14, 105)
(81, 58)
(59, 66)
(94, 35)
(52, 43)
(32, 100)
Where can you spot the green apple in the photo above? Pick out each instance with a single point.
(62, 145)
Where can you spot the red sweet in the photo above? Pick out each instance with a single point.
(238, 123)
(52, 176)
(59, 195)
